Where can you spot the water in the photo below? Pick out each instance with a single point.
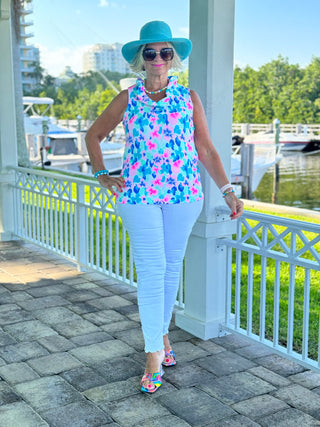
(299, 182)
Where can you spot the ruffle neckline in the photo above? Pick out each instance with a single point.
(145, 98)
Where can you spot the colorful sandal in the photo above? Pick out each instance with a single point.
(169, 358)
(155, 379)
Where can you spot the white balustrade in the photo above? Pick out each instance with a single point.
(275, 259)
(270, 259)
(76, 218)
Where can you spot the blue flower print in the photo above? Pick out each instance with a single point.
(160, 160)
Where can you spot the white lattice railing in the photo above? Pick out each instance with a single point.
(273, 265)
(76, 218)
(273, 270)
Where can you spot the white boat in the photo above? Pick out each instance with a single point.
(288, 141)
(61, 148)
(265, 156)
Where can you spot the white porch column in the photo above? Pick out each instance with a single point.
(8, 144)
(211, 75)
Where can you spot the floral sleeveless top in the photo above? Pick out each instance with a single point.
(160, 159)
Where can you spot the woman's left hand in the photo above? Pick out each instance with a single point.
(235, 204)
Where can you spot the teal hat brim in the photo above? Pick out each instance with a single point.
(182, 46)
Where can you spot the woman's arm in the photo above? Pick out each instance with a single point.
(104, 124)
(209, 156)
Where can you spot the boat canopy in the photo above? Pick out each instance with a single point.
(37, 100)
(31, 101)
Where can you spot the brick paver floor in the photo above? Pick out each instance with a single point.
(71, 354)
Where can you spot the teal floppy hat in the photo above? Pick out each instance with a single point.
(154, 32)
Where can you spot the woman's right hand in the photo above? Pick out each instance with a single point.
(112, 183)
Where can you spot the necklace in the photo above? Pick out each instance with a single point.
(155, 91)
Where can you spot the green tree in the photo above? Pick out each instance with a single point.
(277, 90)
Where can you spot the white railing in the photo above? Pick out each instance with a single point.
(273, 269)
(273, 265)
(248, 128)
(75, 218)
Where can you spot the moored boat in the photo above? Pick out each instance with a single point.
(55, 147)
(288, 141)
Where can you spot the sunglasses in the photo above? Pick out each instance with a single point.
(149, 54)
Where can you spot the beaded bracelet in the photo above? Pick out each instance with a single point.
(102, 172)
(228, 192)
(225, 187)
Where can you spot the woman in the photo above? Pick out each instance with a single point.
(159, 195)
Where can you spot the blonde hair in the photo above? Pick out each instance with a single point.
(137, 65)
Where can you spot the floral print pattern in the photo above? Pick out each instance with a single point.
(160, 159)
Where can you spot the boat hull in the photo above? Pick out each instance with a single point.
(288, 141)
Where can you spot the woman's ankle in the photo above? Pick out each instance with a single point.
(154, 361)
(166, 342)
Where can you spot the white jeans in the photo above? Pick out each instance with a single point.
(158, 236)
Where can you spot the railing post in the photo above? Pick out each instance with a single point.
(81, 229)
(245, 129)
(81, 144)
(247, 159)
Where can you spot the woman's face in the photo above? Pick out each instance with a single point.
(158, 66)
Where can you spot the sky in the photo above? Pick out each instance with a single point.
(264, 29)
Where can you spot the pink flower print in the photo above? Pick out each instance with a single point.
(151, 145)
(155, 134)
(132, 119)
(157, 181)
(167, 198)
(135, 166)
(176, 166)
(189, 146)
(153, 119)
(189, 105)
(152, 191)
(194, 190)
(175, 115)
(166, 153)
